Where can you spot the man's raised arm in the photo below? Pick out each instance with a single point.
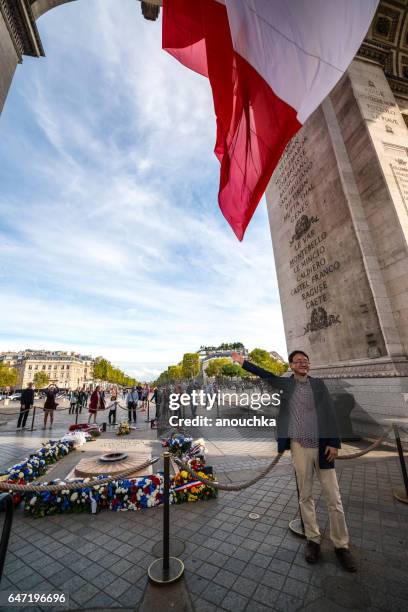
(276, 381)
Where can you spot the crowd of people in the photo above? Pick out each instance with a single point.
(97, 400)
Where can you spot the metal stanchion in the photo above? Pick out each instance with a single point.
(6, 500)
(166, 569)
(76, 418)
(296, 525)
(148, 411)
(401, 494)
(32, 421)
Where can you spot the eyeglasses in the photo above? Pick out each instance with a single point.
(301, 362)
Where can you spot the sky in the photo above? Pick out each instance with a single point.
(111, 239)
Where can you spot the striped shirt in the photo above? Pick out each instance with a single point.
(303, 425)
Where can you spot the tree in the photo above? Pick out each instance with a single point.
(8, 376)
(41, 379)
(215, 366)
(190, 365)
(231, 369)
(174, 372)
(100, 369)
(104, 370)
(264, 360)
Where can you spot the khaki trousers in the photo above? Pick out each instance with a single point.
(306, 463)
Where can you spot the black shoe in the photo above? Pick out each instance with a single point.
(312, 552)
(346, 559)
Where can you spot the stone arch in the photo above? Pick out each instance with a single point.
(39, 7)
(150, 9)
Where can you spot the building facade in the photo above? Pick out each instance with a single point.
(66, 370)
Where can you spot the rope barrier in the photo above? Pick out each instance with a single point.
(37, 408)
(17, 413)
(244, 485)
(368, 449)
(239, 486)
(70, 486)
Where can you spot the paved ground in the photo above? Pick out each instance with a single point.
(231, 562)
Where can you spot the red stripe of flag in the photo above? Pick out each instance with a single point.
(253, 124)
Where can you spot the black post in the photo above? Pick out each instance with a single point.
(300, 511)
(166, 569)
(166, 512)
(32, 421)
(7, 500)
(402, 461)
(76, 418)
(296, 525)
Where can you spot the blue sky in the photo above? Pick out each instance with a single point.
(112, 242)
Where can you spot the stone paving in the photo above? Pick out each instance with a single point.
(231, 562)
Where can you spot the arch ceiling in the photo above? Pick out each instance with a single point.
(386, 41)
(150, 9)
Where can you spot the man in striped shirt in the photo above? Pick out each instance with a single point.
(307, 426)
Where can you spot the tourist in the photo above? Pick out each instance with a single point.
(307, 426)
(193, 405)
(96, 403)
(139, 390)
(131, 402)
(26, 401)
(73, 398)
(208, 391)
(145, 396)
(154, 396)
(82, 399)
(50, 405)
(113, 407)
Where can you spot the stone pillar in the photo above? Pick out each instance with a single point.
(376, 141)
(337, 206)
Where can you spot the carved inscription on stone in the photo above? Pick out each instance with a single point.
(400, 171)
(293, 181)
(310, 265)
(377, 105)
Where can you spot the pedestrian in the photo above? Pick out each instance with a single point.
(113, 408)
(139, 390)
(96, 403)
(145, 396)
(131, 402)
(26, 402)
(208, 393)
(82, 398)
(73, 398)
(193, 403)
(307, 426)
(50, 404)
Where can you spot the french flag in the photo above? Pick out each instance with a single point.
(270, 64)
